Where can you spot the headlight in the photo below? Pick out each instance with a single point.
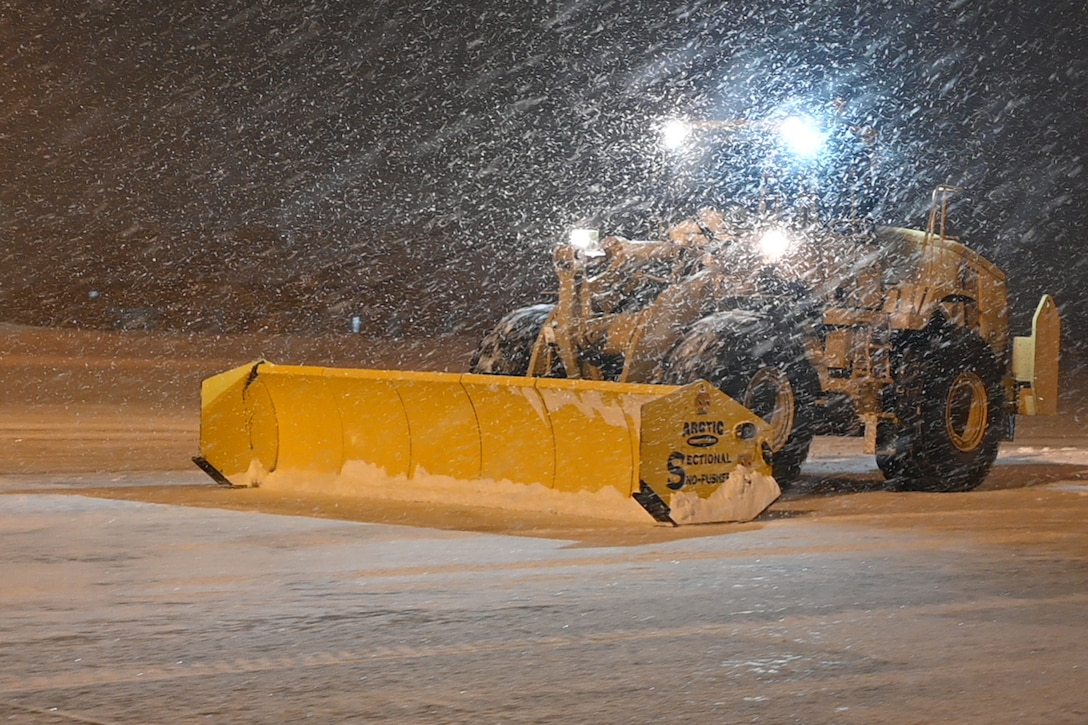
(802, 137)
(586, 241)
(674, 134)
(774, 244)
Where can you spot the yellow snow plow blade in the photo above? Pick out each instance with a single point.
(684, 454)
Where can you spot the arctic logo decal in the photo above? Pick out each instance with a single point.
(703, 433)
(705, 440)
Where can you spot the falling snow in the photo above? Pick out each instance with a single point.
(288, 166)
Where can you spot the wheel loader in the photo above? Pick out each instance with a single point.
(683, 378)
(820, 328)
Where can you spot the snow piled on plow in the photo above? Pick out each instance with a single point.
(363, 481)
(742, 498)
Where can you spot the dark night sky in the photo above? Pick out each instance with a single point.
(500, 124)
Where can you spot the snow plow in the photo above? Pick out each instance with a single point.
(682, 454)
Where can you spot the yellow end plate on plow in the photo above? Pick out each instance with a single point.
(684, 454)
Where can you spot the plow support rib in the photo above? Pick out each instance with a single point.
(1036, 359)
(508, 442)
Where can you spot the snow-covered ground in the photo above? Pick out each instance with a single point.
(135, 592)
(843, 456)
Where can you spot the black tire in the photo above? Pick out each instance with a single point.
(948, 399)
(750, 358)
(508, 347)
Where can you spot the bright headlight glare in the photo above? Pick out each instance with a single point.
(585, 240)
(802, 137)
(674, 133)
(774, 244)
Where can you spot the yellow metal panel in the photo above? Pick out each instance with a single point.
(224, 422)
(516, 438)
(374, 424)
(595, 425)
(442, 424)
(227, 384)
(700, 453)
(690, 440)
(1036, 361)
(1046, 331)
(1023, 359)
(262, 425)
(307, 417)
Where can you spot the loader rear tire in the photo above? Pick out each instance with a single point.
(750, 358)
(508, 347)
(948, 399)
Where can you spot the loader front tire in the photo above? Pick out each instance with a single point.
(750, 358)
(948, 400)
(508, 347)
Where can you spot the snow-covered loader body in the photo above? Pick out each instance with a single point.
(899, 335)
(602, 449)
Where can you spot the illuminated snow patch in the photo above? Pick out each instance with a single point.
(1068, 455)
(1081, 488)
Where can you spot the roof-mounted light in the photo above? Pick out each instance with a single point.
(674, 134)
(802, 137)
